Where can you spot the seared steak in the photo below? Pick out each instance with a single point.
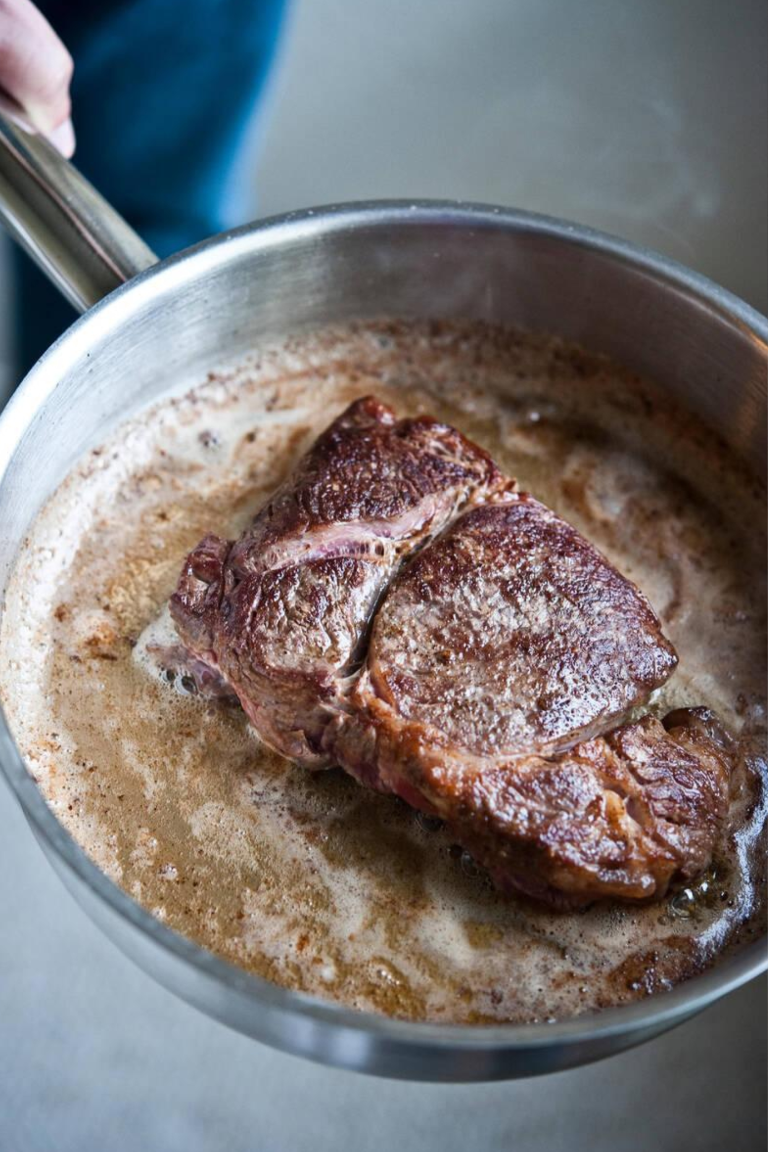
(620, 815)
(283, 612)
(483, 679)
(512, 634)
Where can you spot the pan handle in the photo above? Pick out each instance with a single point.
(84, 247)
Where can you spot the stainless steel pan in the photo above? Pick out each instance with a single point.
(171, 322)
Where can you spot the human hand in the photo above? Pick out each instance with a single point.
(35, 73)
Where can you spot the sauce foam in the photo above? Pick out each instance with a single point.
(308, 880)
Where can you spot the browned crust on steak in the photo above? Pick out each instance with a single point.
(512, 634)
(621, 815)
(282, 613)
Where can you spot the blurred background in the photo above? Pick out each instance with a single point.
(647, 119)
(644, 118)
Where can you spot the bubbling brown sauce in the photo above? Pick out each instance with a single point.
(311, 881)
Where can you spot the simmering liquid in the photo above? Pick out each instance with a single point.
(309, 880)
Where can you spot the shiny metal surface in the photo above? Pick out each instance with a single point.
(209, 306)
(78, 240)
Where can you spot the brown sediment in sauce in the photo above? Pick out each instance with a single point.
(310, 880)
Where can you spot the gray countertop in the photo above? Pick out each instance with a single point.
(648, 120)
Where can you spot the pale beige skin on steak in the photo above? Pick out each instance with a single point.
(311, 880)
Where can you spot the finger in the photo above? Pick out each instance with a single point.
(63, 138)
(35, 68)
